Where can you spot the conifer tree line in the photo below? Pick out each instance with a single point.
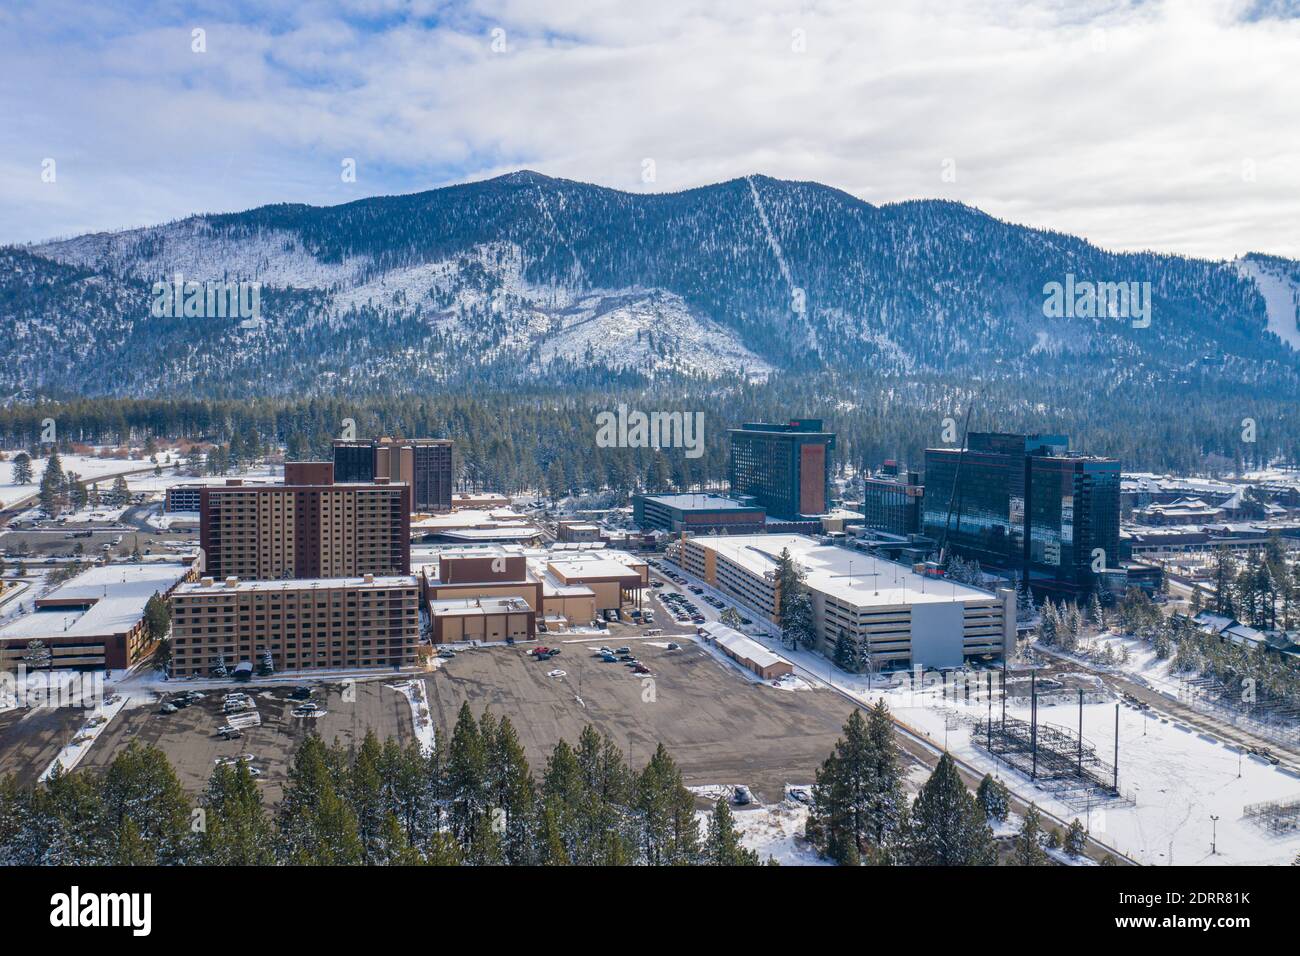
(861, 814)
(534, 435)
(475, 801)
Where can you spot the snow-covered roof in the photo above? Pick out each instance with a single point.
(742, 646)
(300, 584)
(853, 577)
(701, 502)
(103, 600)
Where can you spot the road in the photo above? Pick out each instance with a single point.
(914, 744)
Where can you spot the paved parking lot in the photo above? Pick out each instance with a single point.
(189, 739)
(719, 726)
(30, 739)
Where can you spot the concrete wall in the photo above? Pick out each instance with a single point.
(937, 632)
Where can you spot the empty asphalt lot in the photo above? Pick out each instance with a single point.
(720, 727)
(188, 737)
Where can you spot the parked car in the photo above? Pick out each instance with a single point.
(167, 709)
(741, 796)
(230, 733)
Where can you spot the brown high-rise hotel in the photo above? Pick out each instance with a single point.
(302, 625)
(423, 463)
(308, 527)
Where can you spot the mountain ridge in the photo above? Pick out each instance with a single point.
(742, 278)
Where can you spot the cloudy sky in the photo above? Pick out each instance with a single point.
(1167, 124)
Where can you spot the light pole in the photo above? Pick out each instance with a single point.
(1214, 834)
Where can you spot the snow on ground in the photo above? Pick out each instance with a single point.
(193, 248)
(1279, 300)
(87, 467)
(1176, 778)
(92, 515)
(1142, 667)
(164, 522)
(97, 721)
(774, 830)
(417, 696)
(649, 330)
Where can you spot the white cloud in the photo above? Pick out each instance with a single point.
(1137, 125)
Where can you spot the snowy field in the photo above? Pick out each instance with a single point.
(87, 467)
(1175, 778)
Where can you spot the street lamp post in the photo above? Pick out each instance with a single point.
(1214, 834)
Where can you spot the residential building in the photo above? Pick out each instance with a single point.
(329, 623)
(423, 463)
(785, 468)
(308, 527)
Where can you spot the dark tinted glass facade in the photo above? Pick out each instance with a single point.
(431, 478)
(892, 505)
(1073, 510)
(987, 494)
(1023, 503)
(423, 463)
(354, 462)
(784, 467)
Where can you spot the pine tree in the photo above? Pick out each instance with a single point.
(52, 487)
(511, 791)
(947, 826)
(1076, 839)
(1029, 841)
(669, 829)
(887, 802)
(141, 786)
(22, 469)
(722, 845)
(1048, 624)
(994, 798)
(794, 611)
(236, 830)
(366, 798)
(466, 778)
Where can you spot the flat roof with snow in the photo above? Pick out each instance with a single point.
(702, 502)
(99, 601)
(299, 584)
(852, 577)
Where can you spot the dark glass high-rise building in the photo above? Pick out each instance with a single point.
(1025, 503)
(423, 463)
(784, 467)
(354, 461)
(893, 502)
(1072, 512)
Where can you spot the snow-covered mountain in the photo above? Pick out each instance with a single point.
(525, 277)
